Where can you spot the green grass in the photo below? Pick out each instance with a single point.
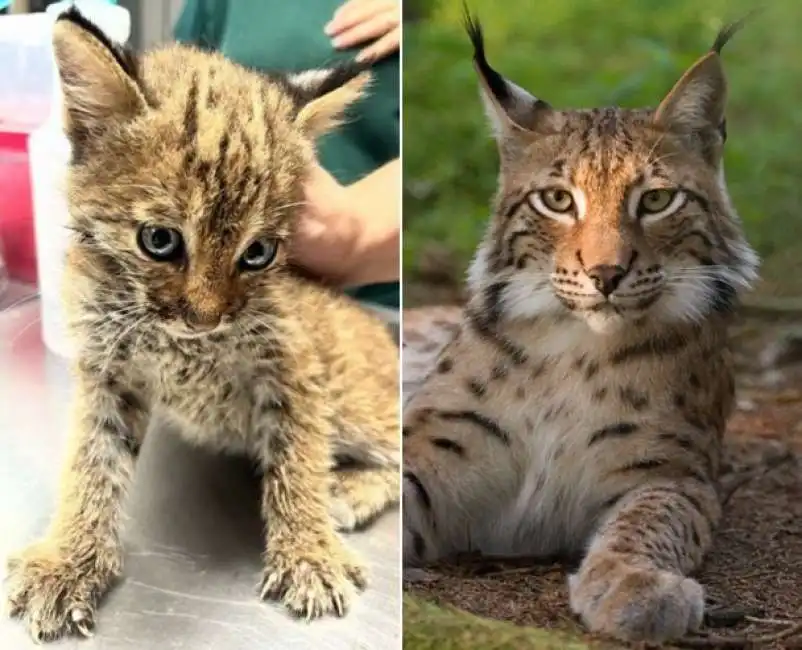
(581, 53)
(428, 627)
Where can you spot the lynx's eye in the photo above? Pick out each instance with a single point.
(160, 243)
(557, 200)
(259, 255)
(555, 203)
(659, 203)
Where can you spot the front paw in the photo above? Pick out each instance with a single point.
(634, 603)
(55, 594)
(312, 582)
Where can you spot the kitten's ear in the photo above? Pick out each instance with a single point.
(98, 77)
(324, 95)
(509, 107)
(698, 100)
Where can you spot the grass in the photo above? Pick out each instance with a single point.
(595, 52)
(428, 627)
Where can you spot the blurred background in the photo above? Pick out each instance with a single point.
(583, 53)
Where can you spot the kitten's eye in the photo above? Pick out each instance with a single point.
(160, 243)
(259, 255)
(656, 201)
(557, 200)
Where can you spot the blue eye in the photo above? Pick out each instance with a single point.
(259, 255)
(160, 243)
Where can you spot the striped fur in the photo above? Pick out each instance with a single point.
(256, 361)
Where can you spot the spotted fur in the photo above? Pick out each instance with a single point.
(254, 361)
(579, 408)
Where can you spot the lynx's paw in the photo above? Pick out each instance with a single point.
(636, 604)
(312, 583)
(56, 595)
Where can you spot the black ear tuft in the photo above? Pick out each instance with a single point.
(727, 32)
(495, 82)
(124, 56)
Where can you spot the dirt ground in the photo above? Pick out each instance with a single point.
(754, 575)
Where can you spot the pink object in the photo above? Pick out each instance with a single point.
(16, 209)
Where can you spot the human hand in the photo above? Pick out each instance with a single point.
(359, 21)
(349, 235)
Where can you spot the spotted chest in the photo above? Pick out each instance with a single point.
(218, 392)
(575, 422)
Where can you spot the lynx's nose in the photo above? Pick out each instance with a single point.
(606, 277)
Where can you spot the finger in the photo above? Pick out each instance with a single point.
(386, 45)
(351, 16)
(376, 27)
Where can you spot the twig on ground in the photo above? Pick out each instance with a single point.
(743, 642)
(766, 465)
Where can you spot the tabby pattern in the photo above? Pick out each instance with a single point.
(186, 179)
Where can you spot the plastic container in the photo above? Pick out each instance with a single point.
(49, 153)
(26, 73)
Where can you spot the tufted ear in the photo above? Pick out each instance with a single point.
(697, 102)
(98, 77)
(324, 95)
(508, 106)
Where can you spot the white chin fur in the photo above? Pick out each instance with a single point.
(602, 323)
(529, 295)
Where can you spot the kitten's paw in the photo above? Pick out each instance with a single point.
(636, 604)
(343, 514)
(53, 594)
(313, 583)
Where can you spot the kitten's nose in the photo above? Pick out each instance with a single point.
(606, 277)
(201, 321)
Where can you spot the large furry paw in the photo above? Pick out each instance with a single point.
(312, 583)
(635, 603)
(53, 594)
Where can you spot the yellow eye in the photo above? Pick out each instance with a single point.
(656, 201)
(557, 200)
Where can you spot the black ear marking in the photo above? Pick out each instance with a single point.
(723, 37)
(495, 82)
(339, 76)
(123, 55)
(304, 87)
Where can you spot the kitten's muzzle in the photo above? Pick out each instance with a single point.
(202, 321)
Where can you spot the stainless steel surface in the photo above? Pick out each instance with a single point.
(193, 534)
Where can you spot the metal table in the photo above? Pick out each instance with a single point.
(193, 535)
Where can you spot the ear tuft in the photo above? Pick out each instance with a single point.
(98, 77)
(322, 96)
(697, 102)
(508, 106)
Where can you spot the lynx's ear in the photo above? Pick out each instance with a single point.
(324, 95)
(509, 107)
(98, 77)
(696, 104)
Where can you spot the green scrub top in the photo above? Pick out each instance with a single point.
(288, 36)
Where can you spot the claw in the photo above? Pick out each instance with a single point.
(83, 622)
